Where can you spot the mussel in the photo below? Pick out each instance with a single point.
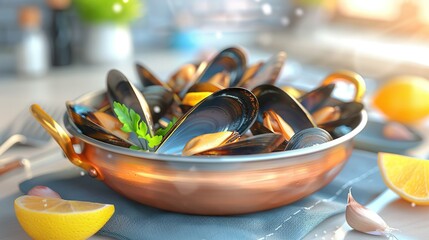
(231, 109)
(222, 79)
(83, 118)
(158, 94)
(321, 96)
(147, 78)
(185, 76)
(347, 113)
(205, 87)
(263, 143)
(231, 61)
(208, 141)
(250, 72)
(273, 122)
(121, 90)
(274, 100)
(316, 98)
(108, 122)
(267, 73)
(307, 138)
(159, 100)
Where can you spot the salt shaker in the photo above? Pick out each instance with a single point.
(33, 49)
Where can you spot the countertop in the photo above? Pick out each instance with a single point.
(57, 86)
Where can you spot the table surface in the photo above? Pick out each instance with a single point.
(19, 92)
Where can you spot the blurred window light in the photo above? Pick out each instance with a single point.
(386, 10)
(423, 6)
(266, 9)
(239, 15)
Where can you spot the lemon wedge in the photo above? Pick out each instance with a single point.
(53, 218)
(407, 176)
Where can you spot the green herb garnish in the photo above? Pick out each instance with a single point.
(132, 124)
(163, 131)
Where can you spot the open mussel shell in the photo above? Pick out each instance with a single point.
(268, 73)
(272, 98)
(223, 79)
(316, 98)
(349, 115)
(293, 91)
(159, 100)
(121, 90)
(307, 138)
(231, 109)
(231, 61)
(79, 114)
(208, 141)
(205, 87)
(108, 122)
(250, 72)
(185, 77)
(147, 78)
(263, 143)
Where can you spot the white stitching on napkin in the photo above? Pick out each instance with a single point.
(353, 181)
(335, 196)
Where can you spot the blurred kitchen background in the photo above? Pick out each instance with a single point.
(377, 38)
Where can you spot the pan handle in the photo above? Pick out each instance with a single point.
(350, 77)
(65, 142)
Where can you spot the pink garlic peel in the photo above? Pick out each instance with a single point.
(364, 220)
(43, 191)
(397, 131)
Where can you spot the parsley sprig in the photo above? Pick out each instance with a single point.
(132, 124)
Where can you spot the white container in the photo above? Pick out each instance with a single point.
(107, 42)
(32, 53)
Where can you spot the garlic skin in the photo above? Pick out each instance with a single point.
(43, 191)
(364, 220)
(399, 132)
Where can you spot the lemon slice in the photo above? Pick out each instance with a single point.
(193, 98)
(53, 218)
(407, 176)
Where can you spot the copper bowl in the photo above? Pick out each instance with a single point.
(219, 185)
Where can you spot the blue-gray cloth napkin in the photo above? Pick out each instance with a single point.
(136, 221)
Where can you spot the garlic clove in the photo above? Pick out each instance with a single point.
(364, 220)
(43, 191)
(398, 131)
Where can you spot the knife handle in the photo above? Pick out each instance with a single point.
(11, 166)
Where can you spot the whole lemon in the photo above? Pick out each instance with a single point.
(404, 99)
